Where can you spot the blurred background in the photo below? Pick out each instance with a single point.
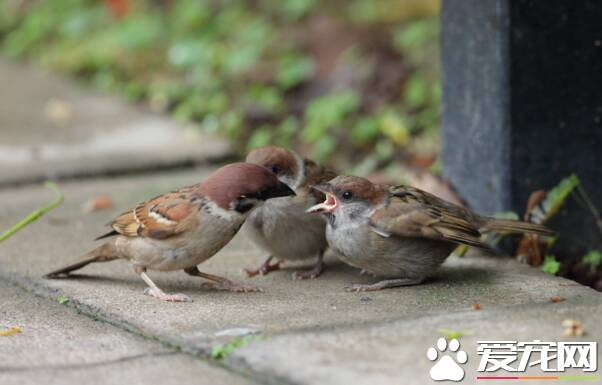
(353, 84)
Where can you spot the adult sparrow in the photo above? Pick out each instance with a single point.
(180, 229)
(401, 233)
(282, 227)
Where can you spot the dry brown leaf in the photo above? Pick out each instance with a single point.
(101, 202)
(556, 299)
(476, 306)
(572, 328)
(10, 331)
(58, 111)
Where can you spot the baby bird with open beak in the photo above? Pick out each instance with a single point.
(181, 229)
(282, 227)
(400, 233)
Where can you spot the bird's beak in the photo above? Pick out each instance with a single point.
(280, 190)
(329, 205)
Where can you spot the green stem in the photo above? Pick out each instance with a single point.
(37, 213)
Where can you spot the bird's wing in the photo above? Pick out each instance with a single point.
(161, 217)
(411, 212)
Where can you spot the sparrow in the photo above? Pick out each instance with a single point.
(282, 227)
(401, 233)
(180, 229)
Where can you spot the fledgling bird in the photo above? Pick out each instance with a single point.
(401, 233)
(180, 229)
(282, 227)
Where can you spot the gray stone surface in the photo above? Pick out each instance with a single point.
(314, 331)
(395, 352)
(59, 346)
(52, 127)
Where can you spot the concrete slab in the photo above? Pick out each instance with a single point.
(393, 353)
(316, 332)
(53, 127)
(62, 347)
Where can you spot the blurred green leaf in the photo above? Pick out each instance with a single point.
(260, 137)
(554, 199)
(593, 258)
(328, 111)
(395, 128)
(293, 69)
(365, 130)
(550, 265)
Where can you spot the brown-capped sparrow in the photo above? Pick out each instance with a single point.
(282, 227)
(180, 229)
(400, 233)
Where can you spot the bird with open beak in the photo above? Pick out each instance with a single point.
(400, 233)
(180, 229)
(282, 227)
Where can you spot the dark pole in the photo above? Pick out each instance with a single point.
(522, 105)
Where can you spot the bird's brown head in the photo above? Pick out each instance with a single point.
(242, 186)
(348, 196)
(283, 162)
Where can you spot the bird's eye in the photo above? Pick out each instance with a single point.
(275, 169)
(347, 195)
(242, 197)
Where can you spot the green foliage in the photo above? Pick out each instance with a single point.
(63, 300)
(555, 198)
(36, 214)
(220, 352)
(593, 258)
(550, 265)
(255, 72)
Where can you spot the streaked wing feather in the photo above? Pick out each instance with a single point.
(416, 213)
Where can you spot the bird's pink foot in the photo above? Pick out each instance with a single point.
(230, 286)
(157, 293)
(265, 268)
(308, 274)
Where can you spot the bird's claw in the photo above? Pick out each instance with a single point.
(178, 297)
(307, 274)
(264, 269)
(357, 288)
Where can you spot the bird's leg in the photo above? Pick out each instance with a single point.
(265, 268)
(314, 272)
(220, 283)
(154, 291)
(385, 284)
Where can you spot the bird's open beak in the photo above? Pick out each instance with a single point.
(280, 190)
(329, 205)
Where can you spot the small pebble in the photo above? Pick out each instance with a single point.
(365, 300)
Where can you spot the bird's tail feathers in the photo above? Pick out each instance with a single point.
(512, 226)
(104, 253)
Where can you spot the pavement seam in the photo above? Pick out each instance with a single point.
(86, 365)
(147, 169)
(97, 314)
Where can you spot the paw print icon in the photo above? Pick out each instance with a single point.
(446, 367)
